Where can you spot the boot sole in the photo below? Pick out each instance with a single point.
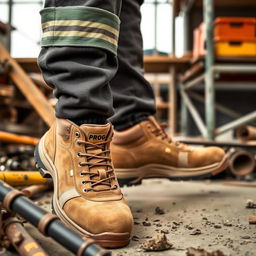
(134, 176)
(48, 170)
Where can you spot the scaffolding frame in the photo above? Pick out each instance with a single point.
(212, 71)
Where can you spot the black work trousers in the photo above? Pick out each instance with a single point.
(95, 63)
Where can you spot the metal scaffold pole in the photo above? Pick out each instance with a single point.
(9, 42)
(209, 76)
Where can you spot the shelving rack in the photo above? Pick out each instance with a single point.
(213, 68)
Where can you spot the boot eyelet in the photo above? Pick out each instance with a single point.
(78, 154)
(77, 134)
(85, 190)
(82, 182)
(79, 164)
(81, 174)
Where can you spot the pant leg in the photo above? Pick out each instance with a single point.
(133, 95)
(78, 56)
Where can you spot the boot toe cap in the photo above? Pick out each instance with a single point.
(207, 156)
(100, 217)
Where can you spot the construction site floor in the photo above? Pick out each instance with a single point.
(209, 215)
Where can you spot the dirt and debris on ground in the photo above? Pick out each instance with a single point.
(250, 204)
(218, 211)
(252, 219)
(157, 243)
(159, 211)
(201, 252)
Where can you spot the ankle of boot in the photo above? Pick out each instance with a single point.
(128, 136)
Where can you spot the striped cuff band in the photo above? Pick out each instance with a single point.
(80, 26)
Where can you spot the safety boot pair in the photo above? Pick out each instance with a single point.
(87, 196)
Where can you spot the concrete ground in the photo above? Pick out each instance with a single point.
(195, 214)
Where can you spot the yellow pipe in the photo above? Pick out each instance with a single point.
(23, 178)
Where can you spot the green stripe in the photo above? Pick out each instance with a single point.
(80, 13)
(78, 41)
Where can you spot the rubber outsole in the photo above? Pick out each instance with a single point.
(106, 240)
(133, 181)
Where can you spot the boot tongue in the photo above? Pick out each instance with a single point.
(97, 134)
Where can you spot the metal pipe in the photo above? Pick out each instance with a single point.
(218, 106)
(222, 68)
(172, 110)
(155, 27)
(246, 133)
(194, 81)
(184, 117)
(24, 244)
(23, 178)
(197, 118)
(9, 40)
(173, 50)
(36, 189)
(209, 77)
(14, 138)
(241, 162)
(236, 123)
(47, 223)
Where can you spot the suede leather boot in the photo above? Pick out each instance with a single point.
(145, 151)
(87, 197)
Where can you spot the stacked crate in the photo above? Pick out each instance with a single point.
(233, 36)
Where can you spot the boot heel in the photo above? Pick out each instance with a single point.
(39, 164)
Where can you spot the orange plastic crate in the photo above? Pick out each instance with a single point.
(235, 28)
(235, 48)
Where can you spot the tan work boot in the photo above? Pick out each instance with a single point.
(145, 151)
(86, 196)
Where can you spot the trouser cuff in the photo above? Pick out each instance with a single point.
(80, 26)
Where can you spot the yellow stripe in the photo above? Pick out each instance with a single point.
(80, 23)
(80, 34)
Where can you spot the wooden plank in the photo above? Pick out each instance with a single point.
(6, 90)
(29, 64)
(162, 64)
(218, 3)
(29, 89)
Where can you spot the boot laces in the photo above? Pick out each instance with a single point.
(105, 174)
(159, 131)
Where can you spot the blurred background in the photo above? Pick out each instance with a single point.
(200, 58)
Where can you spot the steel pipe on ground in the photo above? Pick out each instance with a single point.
(47, 223)
(246, 133)
(241, 163)
(24, 244)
